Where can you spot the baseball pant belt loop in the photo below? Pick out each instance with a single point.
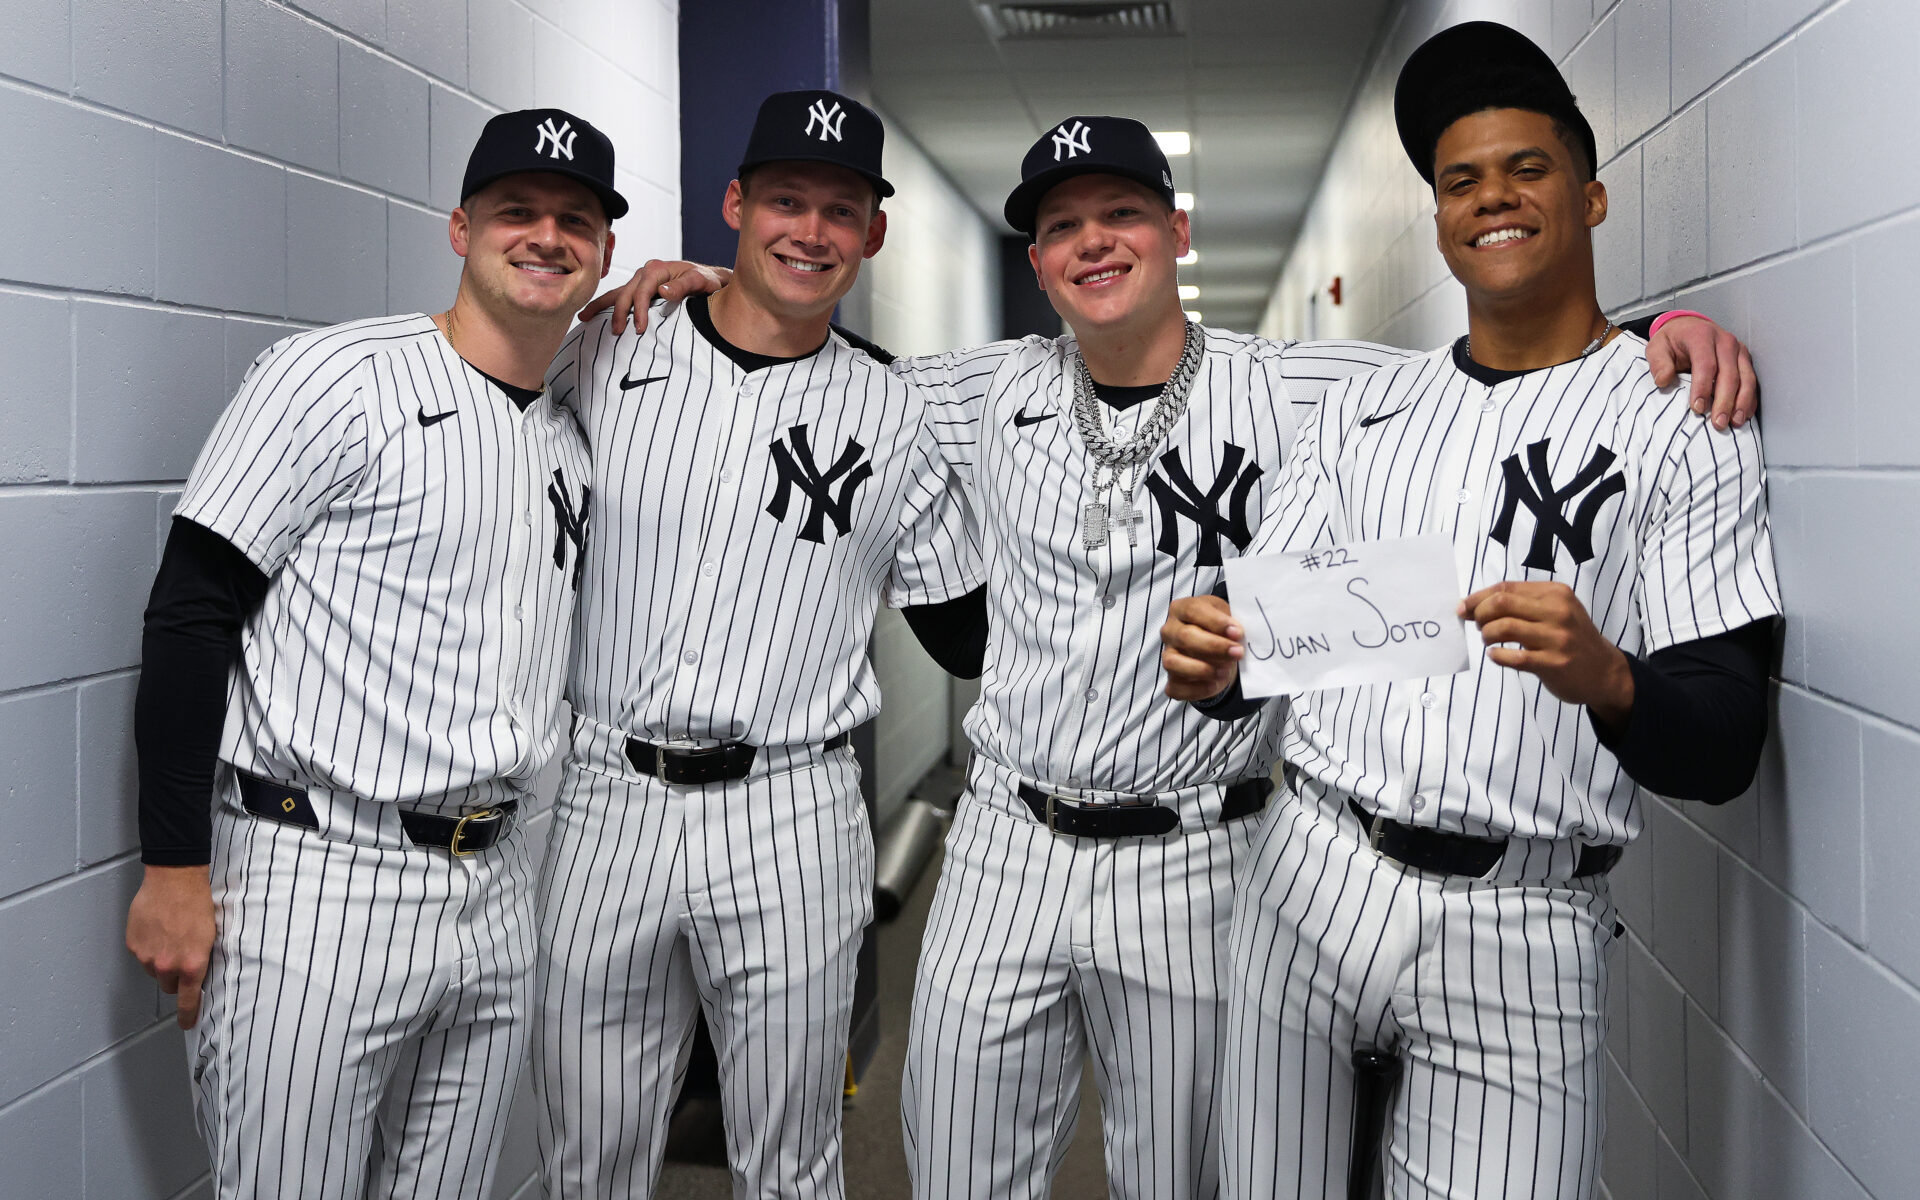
(702, 764)
(1127, 818)
(468, 833)
(1455, 853)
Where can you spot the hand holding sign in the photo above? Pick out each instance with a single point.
(1372, 612)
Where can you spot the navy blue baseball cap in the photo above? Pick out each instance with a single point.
(1473, 67)
(1088, 146)
(544, 139)
(822, 127)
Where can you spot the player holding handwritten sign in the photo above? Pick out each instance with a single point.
(1433, 884)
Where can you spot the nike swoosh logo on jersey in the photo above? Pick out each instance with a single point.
(1379, 417)
(427, 422)
(627, 385)
(1022, 419)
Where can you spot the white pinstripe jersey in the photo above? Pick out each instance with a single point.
(1072, 694)
(1585, 473)
(747, 524)
(421, 536)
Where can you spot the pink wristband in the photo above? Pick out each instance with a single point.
(1664, 317)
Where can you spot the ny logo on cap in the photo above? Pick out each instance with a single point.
(829, 120)
(562, 139)
(1073, 142)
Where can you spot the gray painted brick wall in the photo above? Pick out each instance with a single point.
(1759, 159)
(202, 178)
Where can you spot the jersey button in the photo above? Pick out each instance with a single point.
(1092, 694)
(708, 569)
(526, 518)
(1489, 404)
(1429, 701)
(1462, 496)
(516, 612)
(1419, 802)
(1108, 600)
(726, 477)
(690, 657)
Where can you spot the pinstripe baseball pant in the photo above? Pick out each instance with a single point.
(365, 1007)
(1493, 991)
(744, 899)
(1044, 949)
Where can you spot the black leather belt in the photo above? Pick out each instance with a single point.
(1456, 853)
(703, 764)
(1065, 814)
(464, 835)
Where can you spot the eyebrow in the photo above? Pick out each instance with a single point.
(1516, 156)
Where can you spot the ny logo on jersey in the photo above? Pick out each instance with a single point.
(793, 464)
(570, 525)
(1178, 496)
(1533, 487)
(829, 120)
(560, 139)
(1071, 142)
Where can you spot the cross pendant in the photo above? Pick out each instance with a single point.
(1124, 513)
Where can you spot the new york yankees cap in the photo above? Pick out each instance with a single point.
(1473, 67)
(818, 126)
(1086, 146)
(544, 139)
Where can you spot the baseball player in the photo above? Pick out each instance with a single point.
(1433, 883)
(356, 646)
(760, 484)
(1083, 906)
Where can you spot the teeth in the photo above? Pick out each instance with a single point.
(800, 264)
(539, 269)
(1097, 276)
(1501, 235)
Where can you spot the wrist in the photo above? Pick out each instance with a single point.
(1613, 706)
(1675, 314)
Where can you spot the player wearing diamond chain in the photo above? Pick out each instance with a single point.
(1432, 885)
(1083, 906)
(352, 673)
(759, 485)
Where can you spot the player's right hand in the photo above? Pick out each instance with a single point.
(1203, 646)
(668, 280)
(170, 930)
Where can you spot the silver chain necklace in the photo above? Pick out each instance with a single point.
(1467, 342)
(1113, 456)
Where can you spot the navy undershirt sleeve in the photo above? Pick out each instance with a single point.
(204, 592)
(1699, 716)
(953, 632)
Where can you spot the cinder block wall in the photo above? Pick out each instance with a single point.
(1761, 162)
(191, 180)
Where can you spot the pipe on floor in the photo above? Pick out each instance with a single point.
(901, 854)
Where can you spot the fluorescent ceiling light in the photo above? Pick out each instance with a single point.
(1174, 142)
(1189, 258)
(1189, 291)
(1193, 316)
(1183, 200)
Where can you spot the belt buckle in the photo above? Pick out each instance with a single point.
(660, 764)
(460, 830)
(1374, 835)
(1055, 800)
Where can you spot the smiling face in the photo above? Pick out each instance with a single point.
(536, 245)
(1103, 251)
(1513, 211)
(804, 230)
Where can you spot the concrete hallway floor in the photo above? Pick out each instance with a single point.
(876, 1164)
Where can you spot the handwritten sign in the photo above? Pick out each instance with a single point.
(1372, 612)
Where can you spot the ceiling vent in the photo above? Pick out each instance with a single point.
(1082, 19)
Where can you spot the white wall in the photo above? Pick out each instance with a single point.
(1761, 164)
(191, 180)
(933, 287)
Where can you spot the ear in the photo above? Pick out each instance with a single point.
(730, 205)
(459, 231)
(1033, 258)
(1182, 233)
(1596, 203)
(876, 234)
(606, 256)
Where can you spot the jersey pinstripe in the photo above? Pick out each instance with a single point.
(1491, 990)
(418, 529)
(1043, 951)
(1585, 473)
(1071, 694)
(755, 520)
(747, 525)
